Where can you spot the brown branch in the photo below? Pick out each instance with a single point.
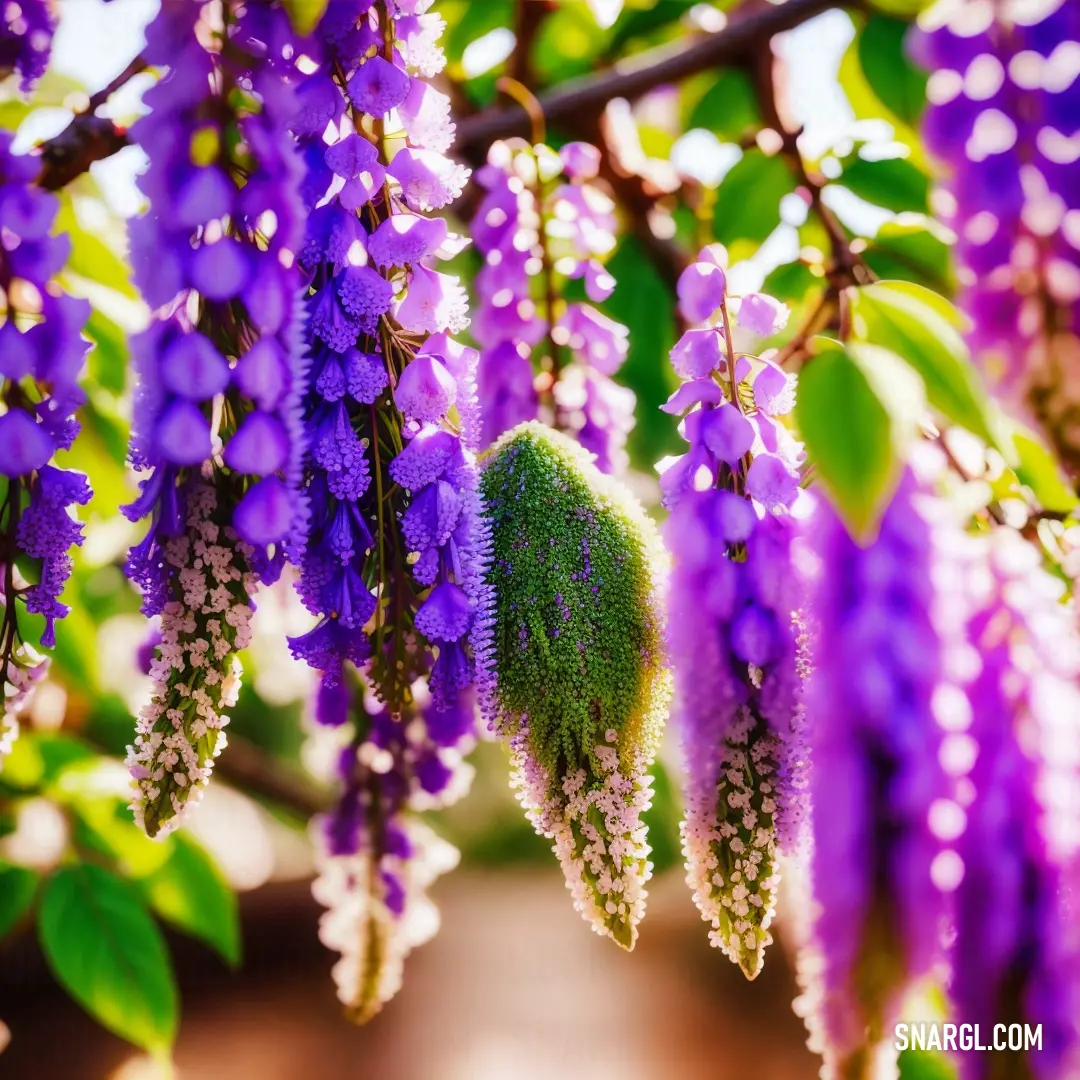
(634, 77)
(528, 19)
(256, 772)
(88, 138)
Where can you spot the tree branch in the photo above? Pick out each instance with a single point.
(632, 78)
(88, 138)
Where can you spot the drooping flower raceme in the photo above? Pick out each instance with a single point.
(574, 677)
(542, 222)
(26, 33)
(1015, 956)
(41, 354)
(391, 566)
(376, 858)
(221, 368)
(887, 661)
(1004, 116)
(732, 604)
(393, 569)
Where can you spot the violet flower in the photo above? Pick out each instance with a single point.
(1003, 102)
(733, 630)
(217, 424)
(541, 223)
(26, 34)
(41, 355)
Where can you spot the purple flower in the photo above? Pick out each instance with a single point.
(1015, 953)
(734, 610)
(426, 390)
(698, 353)
(701, 290)
(378, 87)
(762, 315)
(26, 34)
(879, 700)
(39, 394)
(246, 278)
(1002, 123)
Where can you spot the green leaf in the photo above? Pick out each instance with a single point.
(108, 360)
(1040, 470)
(107, 952)
(925, 1065)
(897, 82)
(921, 327)
(643, 302)
(791, 281)
(855, 412)
(868, 106)
(748, 199)
(90, 256)
(912, 251)
(190, 892)
(17, 888)
(893, 183)
(729, 107)
(305, 14)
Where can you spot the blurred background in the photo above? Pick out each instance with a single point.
(514, 985)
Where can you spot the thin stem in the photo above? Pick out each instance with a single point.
(732, 378)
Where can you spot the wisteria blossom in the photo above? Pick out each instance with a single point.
(195, 671)
(221, 366)
(886, 685)
(391, 409)
(26, 34)
(734, 630)
(577, 684)
(1015, 955)
(1004, 117)
(41, 355)
(542, 223)
(375, 855)
(395, 555)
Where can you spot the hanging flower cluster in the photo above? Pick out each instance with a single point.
(544, 221)
(732, 607)
(217, 410)
(41, 354)
(1015, 956)
(886, 660)
(26, 33)
(577, 683)
(375, 857)
(1004, 101)
(392, 568)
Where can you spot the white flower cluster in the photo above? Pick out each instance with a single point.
(729, 843)
(373, 940)
(598, 832)
(196, 673)
(24, 671)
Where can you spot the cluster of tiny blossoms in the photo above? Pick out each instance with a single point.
(888, 661)
(195, 671)
(544, 221)
(392, 404)
(1004, 98)
(1014, 955)
(41, 354)
(394, 558)
(216, 416)
(577, 683)
(26, 34)
(732, 602)
(375, 857)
